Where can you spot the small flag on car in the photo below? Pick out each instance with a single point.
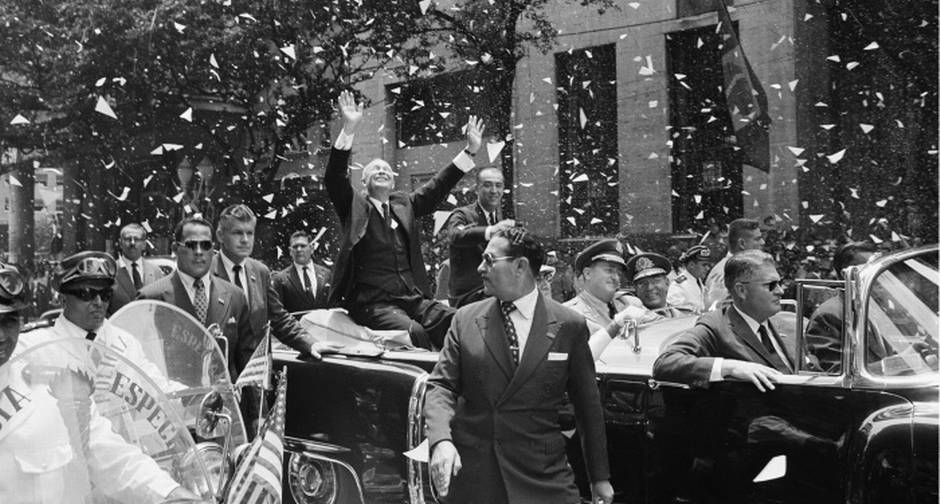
(257, 371)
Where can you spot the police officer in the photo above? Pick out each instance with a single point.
(38, 458)
(649, 273)
(687, 292)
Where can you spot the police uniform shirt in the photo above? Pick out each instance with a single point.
(686, 293)
(594, 310)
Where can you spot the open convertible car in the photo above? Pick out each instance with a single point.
(856, 423)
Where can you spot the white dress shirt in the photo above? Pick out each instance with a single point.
(188, 282)
(753, 325)
(242, 275)
(311, 274)
(522, 317)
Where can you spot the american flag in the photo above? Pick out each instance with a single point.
(257, 371)
(257, 480)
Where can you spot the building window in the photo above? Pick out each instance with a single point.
(435, 110)
(706, 175)
(589, 174)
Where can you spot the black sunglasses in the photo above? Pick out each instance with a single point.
(771, 285)
(194, 245)
(88, 294)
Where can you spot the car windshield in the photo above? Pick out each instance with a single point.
(903, 320)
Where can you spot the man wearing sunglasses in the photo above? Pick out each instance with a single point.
(35, 451)
(211, 300)
(133, 269)
(745, 340)
(508, 364)
(380, 275)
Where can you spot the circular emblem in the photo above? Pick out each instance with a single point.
(644, 263)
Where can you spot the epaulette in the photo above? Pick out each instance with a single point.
(680, 278)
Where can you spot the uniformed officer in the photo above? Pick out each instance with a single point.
(649, 274)
(39, 459)
(687, 292)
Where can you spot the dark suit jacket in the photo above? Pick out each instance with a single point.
(466, 230)
(507, 423)
(290, 289)
(123, 290)
(264, 305)
(227, 307)
(352, 208)
(721, 333)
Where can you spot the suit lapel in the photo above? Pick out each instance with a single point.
(179, 296)
(541, 336)
(746, 336)
(403, 218)
(255, 290)
(295, 278)
(218, 304)
(490, 326)
(125, 283)
(790, 353)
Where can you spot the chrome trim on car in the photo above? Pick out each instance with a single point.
(415, 436)
(318, 450)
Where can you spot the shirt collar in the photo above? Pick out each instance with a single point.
(189, 280)
(68, 329)
(751, 323)
(526, 303)
(124, 263)
(228, 263)
(378, 204)
(300, 267)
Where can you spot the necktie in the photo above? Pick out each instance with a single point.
(135, 273)
(90, 336)
(236, 272)
(611, 311)
(306, 279)
(506, 307)
(385, 215)
(492, 219)
(775, 358)
(199, 300)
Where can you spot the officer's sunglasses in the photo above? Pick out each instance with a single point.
(195, 245)
(87, 293)
(96, 266)
(489, 259)
(11, 283)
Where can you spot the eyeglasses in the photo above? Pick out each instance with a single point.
(195, 245)
(489, 259)
(771, 285)
(87, 294)
(95, 266)
(11, 283)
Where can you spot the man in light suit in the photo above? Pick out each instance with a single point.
(208, 298)
(380, 275)
(467, 230)
(492, 409)
(236, 235)
(133, 270)
(743, 340)
(304, 285)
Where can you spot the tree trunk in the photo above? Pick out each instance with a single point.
(21, 216)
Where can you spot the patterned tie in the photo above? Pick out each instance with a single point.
(200, 301)
(506, 307)
(135, 273)
(236, 272)
(306, 279)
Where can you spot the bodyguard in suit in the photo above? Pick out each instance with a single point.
(304, 285)
(743, 234)
(236, 235)
(467, 230)
(133, 270)
(209, 299)
(380, 275)
(492, 409)
(743, 340)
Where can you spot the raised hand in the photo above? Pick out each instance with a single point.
(475, 129)
(351, 111)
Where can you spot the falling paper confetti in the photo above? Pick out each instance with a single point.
(836, 157)
(290, 52)
(493, 150)
(424, 4)
(866, 127)
(102, 107)
(19, 119)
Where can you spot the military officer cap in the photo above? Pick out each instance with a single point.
(85, 267)
(12, 289)
(610, 250)
(647, 264)
(696, 253)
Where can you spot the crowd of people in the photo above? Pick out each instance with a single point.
(508, 307)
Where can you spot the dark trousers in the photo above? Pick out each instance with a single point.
(426, 320)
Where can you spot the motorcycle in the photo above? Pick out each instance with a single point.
(128, 418)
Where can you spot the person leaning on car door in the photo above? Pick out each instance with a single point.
(506, 366)
(745, 340)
